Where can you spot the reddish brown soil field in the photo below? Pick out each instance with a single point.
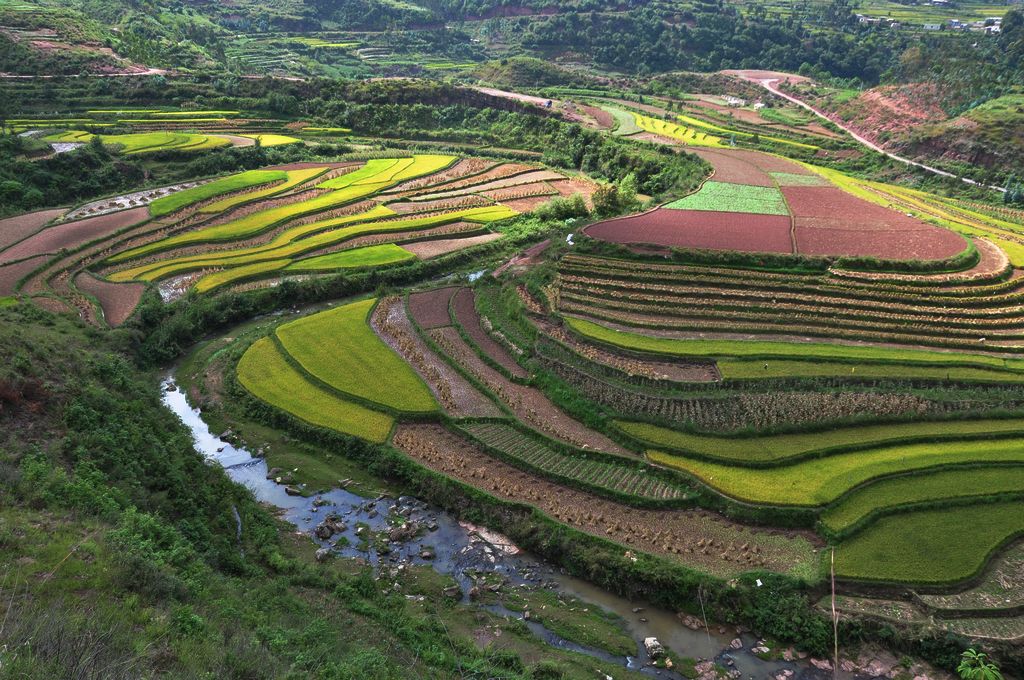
(604, 119)
(767, 162)
(467, 317)
(436, 247)
(834, 203)
(570, 186)
(699, 229)
(73, 234)
(455, 394)
(893, 245)
(527, 403)
(13, 229)
(52, 304)
(430, 308)
(12, 273)
(830, 221)
(729, 167)
(118, 300)
(692, 537)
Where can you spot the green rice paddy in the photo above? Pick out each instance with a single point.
(339, 348)
(728, 197)
(218, 187)
(265, 373)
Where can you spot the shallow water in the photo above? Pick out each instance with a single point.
(457, 548)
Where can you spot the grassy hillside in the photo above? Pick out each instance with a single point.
(118, 539)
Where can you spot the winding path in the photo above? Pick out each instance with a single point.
(769, 84)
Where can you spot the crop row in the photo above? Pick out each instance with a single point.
(854, 356)
(909, 337)
(767, 310)
(784, 448)
(750, 293)
(813, 273)
(1002, 293)
(730, 411)
(623, 478)
(658, 313)
(339, 191)
(820, 481)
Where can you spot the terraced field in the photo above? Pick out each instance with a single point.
(253, 228)
(600, 473)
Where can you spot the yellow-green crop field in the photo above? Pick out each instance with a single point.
(339, 348)
(268, 376)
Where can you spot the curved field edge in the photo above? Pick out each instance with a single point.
(905, 548)
(339, 348)
(820, 481)
(218, 187)
(267, 375)
(857, 508)
(771, 450)
(766, 349)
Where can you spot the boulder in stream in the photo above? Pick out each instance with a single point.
(655, 649)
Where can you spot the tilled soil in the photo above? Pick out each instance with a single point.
(658, 370)
(700, 229)
(73, 234)
(528, 404)
(468, 318)
(455, 394)
(430, 308)
(12, 273)
(732, 168)
(118, 300)
(695, 538)
(437, 247)
(13, 229)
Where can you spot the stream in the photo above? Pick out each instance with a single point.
(456, 548)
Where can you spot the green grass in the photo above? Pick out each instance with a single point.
(339, 347)
(820, 481)
(929, 546)
(782, 447)
(218, 187)
(941, 484)
(625, 123)
(269, 377)
(728, 197)
(771, 351)
(371, 256)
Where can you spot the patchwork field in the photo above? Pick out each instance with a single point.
(756, 202)
(256, 227)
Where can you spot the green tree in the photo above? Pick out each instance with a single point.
(974, 665)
